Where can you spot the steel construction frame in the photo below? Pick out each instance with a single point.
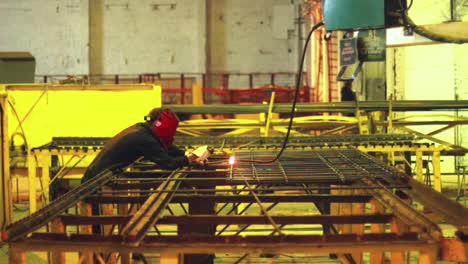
(78, 148)
(394, 225)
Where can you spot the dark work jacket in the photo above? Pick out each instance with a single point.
(129, 145)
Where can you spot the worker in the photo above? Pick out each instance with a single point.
(152, 140)
(347, 94)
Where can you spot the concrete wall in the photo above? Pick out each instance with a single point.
(435, 71)
(245, 35)
(437, 11)
(128, 37)
(252, 36)
(461, 91)
(148, 36)
(55, 32)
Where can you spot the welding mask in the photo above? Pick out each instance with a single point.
(163, 122)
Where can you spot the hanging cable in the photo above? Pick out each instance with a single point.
(296, 93)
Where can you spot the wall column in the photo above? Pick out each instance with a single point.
(96, 35)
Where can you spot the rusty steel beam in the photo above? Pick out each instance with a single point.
(452, 212)
(194, 238)
(149, 213)
(267, 198)
(229, 182)
(21, 228)
(154, 175)
(277, 198)
(202, 244)
(283, 220)
(94, 220)
(291, 189)
(403, 211)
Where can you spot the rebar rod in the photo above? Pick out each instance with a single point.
(253, 189)
(265, 212)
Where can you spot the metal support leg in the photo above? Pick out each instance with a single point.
(46, 163)
(57, 257)
(376, 208)
(324, 208)
(199, 208)
(437, 175)
(427, 257)
(362, 122)
(346, 209)
(419, 166)
(169, 258)
(16, 256)
(85, 210)
(123, 210)
(108, 209)
(408, 170)
(397, 257)
(32, 184)
(357, 209)
(461, 181)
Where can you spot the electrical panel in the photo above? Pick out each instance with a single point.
(362, 14)
(17, 67)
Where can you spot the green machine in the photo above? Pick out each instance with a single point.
(362, 14)
(17, 67)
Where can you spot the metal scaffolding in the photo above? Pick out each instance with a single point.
(340, 204)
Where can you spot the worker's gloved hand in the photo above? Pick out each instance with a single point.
(203, 154)
(191, 158)
(199, 156)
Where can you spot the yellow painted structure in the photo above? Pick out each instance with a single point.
(42, 111)
(5, 190)
(48, 110)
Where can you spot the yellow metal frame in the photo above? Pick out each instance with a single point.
(419, 150)
(5, 181)
(206, 127)
(265, 125)
(340, 124)
(43, 160)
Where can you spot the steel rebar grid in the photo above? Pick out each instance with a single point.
(313, 166)
(341, 165)
(361, 160)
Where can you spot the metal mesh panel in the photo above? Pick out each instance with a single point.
(316, 166)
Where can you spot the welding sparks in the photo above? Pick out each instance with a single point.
(232, 160)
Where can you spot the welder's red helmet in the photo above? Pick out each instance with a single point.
(163, 122)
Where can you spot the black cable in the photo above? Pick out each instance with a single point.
(296, 93)
(410, 5)
(404, 8)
